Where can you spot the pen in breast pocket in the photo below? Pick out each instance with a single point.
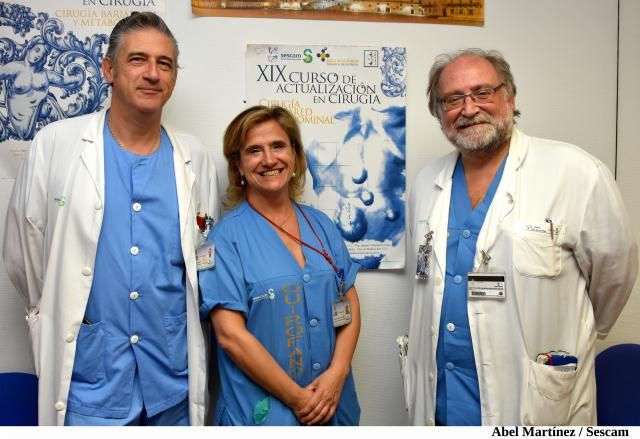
(548, 220)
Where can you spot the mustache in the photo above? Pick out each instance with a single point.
(463, 122)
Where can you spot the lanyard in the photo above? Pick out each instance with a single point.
(323, 253)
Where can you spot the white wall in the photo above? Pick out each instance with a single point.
(627, 328)
(563, 55)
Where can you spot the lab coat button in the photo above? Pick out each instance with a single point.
(430, 376)
(457, 279)
(450, 366)
(134, 250)
(306, 277)
(316, 366)
(134, 339)
(137, 207)
(313, 323)
(86, 271)
(133, 295)
(438, 281)
(70, 337)
(509, 199)
(433, 331)
(451, 327)
(466, 233)
(431, 422)
(59, 406)
(98, 205)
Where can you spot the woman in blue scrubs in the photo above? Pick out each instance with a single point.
(281, 292)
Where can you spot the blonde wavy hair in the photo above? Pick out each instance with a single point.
(235, 137)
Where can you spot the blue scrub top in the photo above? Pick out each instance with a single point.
(137, 302)
(458, 394)
(287, 308)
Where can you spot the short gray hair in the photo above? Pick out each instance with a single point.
(493, 56)
(134, 22)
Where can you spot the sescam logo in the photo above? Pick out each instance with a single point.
(296, 56)
(308, 55)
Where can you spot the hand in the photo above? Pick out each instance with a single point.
(302, 400)
(327, 389)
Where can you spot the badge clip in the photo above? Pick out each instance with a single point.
(424, 257)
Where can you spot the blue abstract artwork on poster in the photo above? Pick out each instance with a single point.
(367, 173)
(371, 188)
(45, 74)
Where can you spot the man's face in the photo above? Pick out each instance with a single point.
(475, 126)
(144, 71)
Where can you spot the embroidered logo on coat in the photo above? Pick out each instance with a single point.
(268, 295)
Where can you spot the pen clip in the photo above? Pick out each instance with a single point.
(548, 220)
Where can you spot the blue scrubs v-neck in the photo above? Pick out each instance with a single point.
(136, 313)
(286, 307)
(458, 395)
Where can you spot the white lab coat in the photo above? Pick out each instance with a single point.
(558, 297)
(52, 228)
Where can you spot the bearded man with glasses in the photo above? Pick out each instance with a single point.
(521, 262)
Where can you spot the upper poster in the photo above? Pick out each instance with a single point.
(350, 103)
(469, 12)
(50, 65)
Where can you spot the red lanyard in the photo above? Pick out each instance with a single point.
(323, 253)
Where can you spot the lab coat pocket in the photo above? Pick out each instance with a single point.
(535, 252)
(33, 320)
(176, 337)
(88, 366)
(547, 399)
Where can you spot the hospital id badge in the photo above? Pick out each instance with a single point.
(423, 266)
(341, 313)
(486, 286)
(205, 256)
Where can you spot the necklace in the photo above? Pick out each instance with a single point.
(285, 219)
(148, 151)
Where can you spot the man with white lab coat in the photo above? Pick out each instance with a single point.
(523, 256)
(101, 235)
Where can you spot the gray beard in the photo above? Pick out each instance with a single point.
(487, 137)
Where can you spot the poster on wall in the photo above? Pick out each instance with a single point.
(350, 103)
(469, 12)
(50, 58)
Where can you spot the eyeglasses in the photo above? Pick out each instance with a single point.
(482, 96)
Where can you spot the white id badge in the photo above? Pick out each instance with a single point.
(486, 286)
(341, 313)
(206, 256)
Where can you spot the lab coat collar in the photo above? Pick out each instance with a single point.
(92, 148)
(504, 199)
(185, 179)
(439, 215)
(92, 156)
(518, 149)
(446, 172)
